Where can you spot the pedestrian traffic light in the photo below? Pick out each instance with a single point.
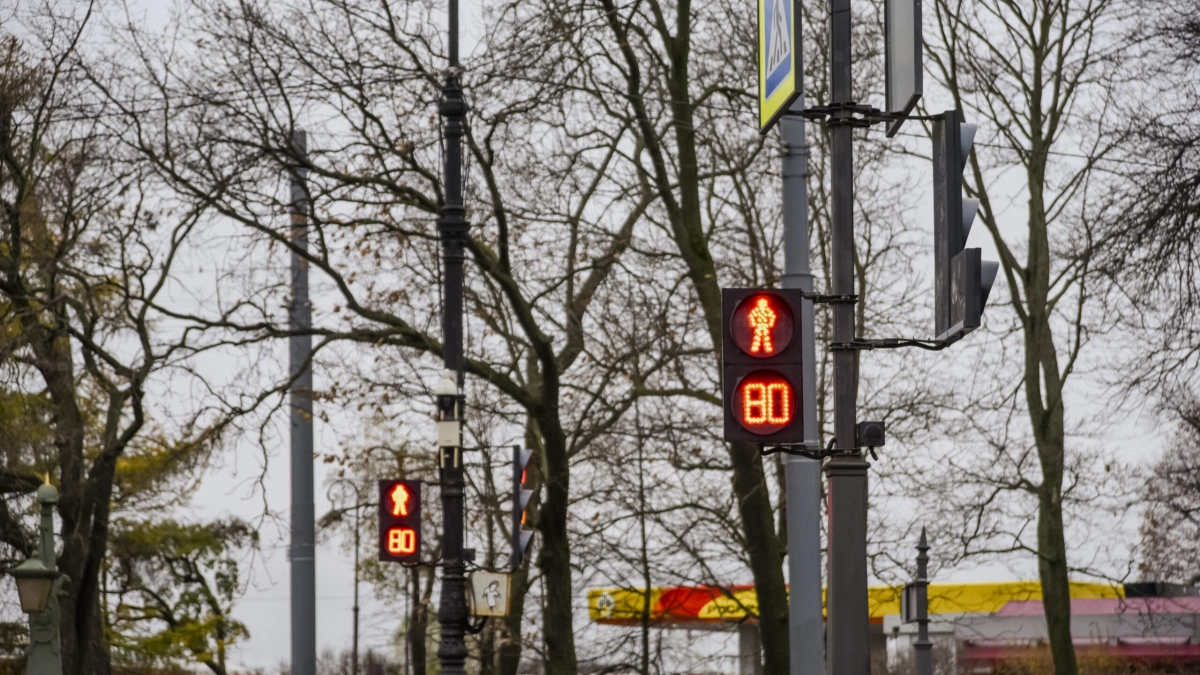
(400, 520)
(962, 279)
(522, 534)
(760, 364)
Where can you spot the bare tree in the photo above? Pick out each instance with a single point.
(1171, 521)
(1039, 77)
(1151, 230)
(612, 193)
(87, 252)
(546, 241)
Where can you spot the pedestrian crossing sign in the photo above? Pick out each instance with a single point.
(779, 60)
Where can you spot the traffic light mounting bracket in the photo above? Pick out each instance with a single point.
(869, 435)
(768, 449)
(868, 115)
(828, 299)
(884, 343)
(933, 345)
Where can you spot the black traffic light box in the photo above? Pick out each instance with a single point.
(760, 365)
(962, 279)
(522, 534)
(400, 521)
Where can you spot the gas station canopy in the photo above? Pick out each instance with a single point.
(698, 606)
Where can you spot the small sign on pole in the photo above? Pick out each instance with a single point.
(490, 593)
(904, 50)
(780, 62)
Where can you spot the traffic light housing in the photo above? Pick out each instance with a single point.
(760, 365)
(962, 279)
(522, 495)
(400, 521)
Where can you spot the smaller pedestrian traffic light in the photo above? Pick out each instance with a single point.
(760, 364)
(400, 520)
(522, 533)
(962, 280)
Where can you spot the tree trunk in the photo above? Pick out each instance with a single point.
(749, 479)
(766, 556)
(555, 556)
(84, 495)
(688, 232)
(1043, 395)
(1052, 569)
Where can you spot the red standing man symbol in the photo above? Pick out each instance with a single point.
(400, 500)
(762, 320)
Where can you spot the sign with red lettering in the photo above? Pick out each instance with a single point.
(400, 520)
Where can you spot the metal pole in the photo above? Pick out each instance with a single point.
(44, 656)
(848, 647)
(357, 516)
(923, 647)
(802, 476)
(303, 577)
(343, 484)
(452, 229)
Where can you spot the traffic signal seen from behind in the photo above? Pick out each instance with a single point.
(522, 533)
(400, 520)
(760, 364)
(962, 280)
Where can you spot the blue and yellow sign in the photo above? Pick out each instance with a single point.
(780, 75)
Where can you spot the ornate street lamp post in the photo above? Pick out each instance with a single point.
(38, 585)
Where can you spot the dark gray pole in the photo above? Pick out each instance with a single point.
(848, 648)
(357, 516)
(343, 484)
(802, 476)
(923, 647)
(304, 580)
(452, 229)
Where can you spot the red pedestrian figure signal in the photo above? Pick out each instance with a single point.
(400, 520)
(762, 325)
(400, 497)
(762, 320)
